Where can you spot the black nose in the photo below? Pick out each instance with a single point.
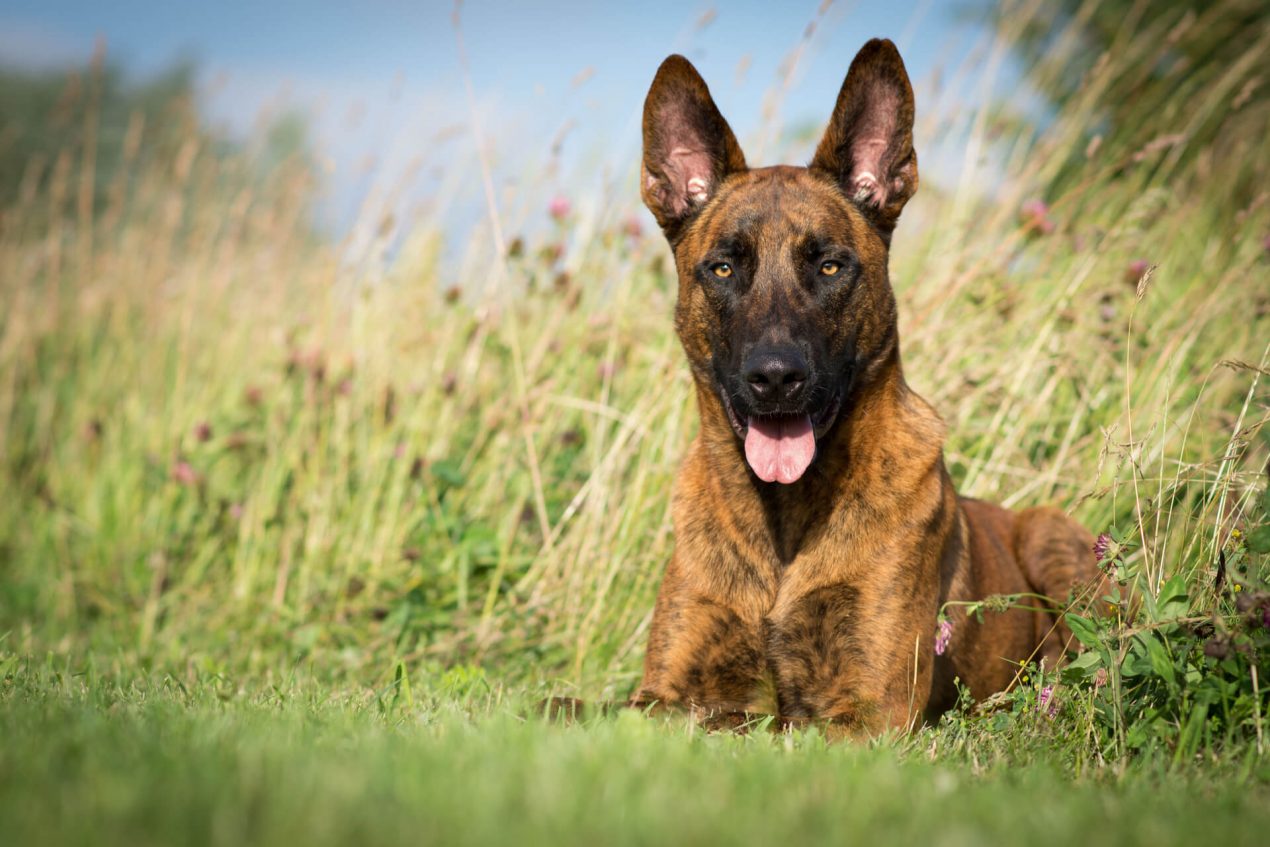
(776, 374)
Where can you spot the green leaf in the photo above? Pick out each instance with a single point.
(401, 681)
(1139, 734)
(1173, 601)
(1149, 608)
(1083, 666)
(1160, 661)
(1192, 733)
(1084, 630)
(1136, 663)
(450, 472)
(1259, 539)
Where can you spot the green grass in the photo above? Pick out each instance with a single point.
(87, 760)
(292, 538)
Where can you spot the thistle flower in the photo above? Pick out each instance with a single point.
(943, 636)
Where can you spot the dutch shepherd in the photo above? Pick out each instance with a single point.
(818, 535)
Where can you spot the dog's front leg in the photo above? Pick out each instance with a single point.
(839, 655)
(703, 652)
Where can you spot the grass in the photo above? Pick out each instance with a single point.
(293, 535)
(160, 764)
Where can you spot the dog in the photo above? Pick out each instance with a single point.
(818, 535)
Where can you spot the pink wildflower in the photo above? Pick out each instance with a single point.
(1101, 545)
(559, 207)
(1134, 271)
(1036, 216)
(1047, 702)
(943, 636)
(183, 472)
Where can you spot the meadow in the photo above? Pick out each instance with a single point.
(296, 532)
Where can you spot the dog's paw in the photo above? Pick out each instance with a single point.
(566, 710)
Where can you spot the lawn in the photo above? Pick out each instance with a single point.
(88, 760)
(295, 532)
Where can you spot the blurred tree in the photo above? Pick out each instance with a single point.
(44, 114)
(96, 116)
(1151, 74)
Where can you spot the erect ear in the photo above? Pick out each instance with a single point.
(689, 149)
(868, 147)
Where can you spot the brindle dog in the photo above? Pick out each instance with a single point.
(818, 533)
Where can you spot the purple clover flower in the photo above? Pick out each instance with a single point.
(1047, 702)
(943, 636)
(1101, 545)
(1103, 554)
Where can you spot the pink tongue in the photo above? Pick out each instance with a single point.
(780, 449)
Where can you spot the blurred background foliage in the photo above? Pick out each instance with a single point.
(233, 445)
(1132, 68)
(96, 127)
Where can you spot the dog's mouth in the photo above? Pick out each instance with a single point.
(780, 448)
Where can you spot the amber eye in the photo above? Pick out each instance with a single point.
(830, 268)
(722, 270)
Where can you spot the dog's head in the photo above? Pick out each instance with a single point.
(785, 307)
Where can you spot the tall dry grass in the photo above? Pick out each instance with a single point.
(228, 447)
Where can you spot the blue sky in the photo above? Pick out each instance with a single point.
(381, 83)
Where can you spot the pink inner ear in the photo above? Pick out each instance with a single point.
(866, 167)
(688, 173)
(873, 134)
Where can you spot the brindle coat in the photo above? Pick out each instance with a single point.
(823, 592)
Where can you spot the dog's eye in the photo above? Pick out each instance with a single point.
(722, 270)
(830, 268)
